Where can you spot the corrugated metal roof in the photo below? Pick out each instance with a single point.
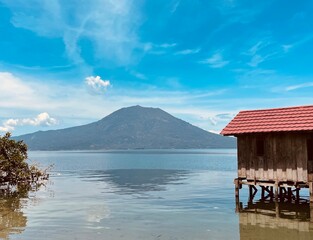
(271, 120)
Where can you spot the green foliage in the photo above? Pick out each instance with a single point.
(14, 170)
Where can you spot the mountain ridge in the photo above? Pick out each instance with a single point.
(133, 127)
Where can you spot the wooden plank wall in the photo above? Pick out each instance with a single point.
(285, 157)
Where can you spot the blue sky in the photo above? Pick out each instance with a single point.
(66, 63)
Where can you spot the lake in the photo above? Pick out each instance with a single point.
(145, 194)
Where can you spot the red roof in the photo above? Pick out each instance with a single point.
(271, 120)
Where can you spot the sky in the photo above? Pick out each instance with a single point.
(68, 63)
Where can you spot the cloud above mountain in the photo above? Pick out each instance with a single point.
(111, 26)
(96, 85)
(42, 119)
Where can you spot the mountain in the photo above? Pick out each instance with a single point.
(129, 128)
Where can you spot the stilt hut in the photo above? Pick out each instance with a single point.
(275, 149)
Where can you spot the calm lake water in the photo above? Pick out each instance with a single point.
(186, 194)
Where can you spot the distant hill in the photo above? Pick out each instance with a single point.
(129, 128)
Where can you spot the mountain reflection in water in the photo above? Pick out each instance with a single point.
(145, 197)
(279, 221)
(136, 181)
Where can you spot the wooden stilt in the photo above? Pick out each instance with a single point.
(236, 181)
(277, 209)
(311, 192)
(269, 191)
(250, 193)
(311, 214)
(279, 191)
(276, 192)
(289, 194)
(285, 194)
(280, 194)
(263, 193)
(237, 206)
(297, 194)
(311, 204)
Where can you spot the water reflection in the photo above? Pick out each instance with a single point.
(12, 219)
(274, 220)
(128, 181)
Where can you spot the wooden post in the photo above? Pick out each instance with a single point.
(311, 192)
(289, 194)
(276, 192)
(236, 181)
(283, 194)
(297, 194)
(277, 208)
(237, 185)
(250, 193)
(311, 204)
(311, 216)
(263, 193)
(280, 194)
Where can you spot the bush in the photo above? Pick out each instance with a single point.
(14, 170)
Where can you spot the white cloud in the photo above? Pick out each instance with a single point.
(159, 49)
(22, 95)
(256, 60)
(212, 121)
(265, 50)
(12, 85)
(96, 84)
(299, 86)
(256, 52)
(303, 40)
(256, 47)
(188, 51)
(42, 119)
(167, 45)
(110, 25)
(73, 105)
(216, 61)
(220, 118)
(15, 92)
